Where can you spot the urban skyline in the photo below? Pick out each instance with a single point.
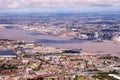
(59, 40)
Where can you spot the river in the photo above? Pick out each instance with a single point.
(60, 42)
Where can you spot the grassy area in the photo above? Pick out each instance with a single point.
(103, 76)
(80, 78)
(36, 66)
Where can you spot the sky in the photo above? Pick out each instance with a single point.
(60, 5)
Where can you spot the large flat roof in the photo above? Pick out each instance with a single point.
(7, 53)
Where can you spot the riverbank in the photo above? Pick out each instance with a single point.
(60, 42)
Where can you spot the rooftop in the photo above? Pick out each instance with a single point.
(7, 53)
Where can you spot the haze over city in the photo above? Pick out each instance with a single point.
(60, 5)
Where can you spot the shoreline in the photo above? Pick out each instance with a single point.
(106, 47)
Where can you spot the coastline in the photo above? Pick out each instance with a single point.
(107, 47)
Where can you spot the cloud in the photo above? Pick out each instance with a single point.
(17, 4)
(9, 4)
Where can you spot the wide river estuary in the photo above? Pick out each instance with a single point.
(60, 42)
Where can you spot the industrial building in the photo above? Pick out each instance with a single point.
(7, 53)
